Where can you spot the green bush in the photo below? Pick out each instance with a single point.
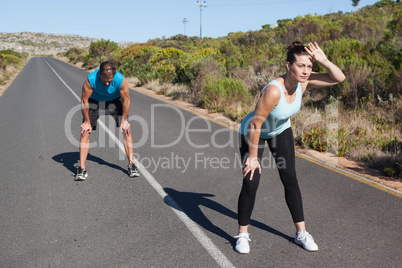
(76, 54)
(195, 70)
(341, 142)
(104, 50)
(135, 51)
(135, 68)
(166, 64)
(226, 95)
(316, 138)
(8, 59)
(139, 66)
(13, 53)
(197, 65)
(389, 171)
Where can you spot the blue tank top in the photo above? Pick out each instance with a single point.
(279, 118)
(105, 93)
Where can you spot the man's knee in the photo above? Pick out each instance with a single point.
(127, 134)
(85, 136)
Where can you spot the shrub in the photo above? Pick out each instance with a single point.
(226, 95)
(199, 63)
(8, 59)
(393, 145)
(389, 171)
(74, 53)
(196, 70)
(135, 51)
(139, 67)
(166, 63)
(128, 67)
(81, 57)
(316, 138)
(103, 50)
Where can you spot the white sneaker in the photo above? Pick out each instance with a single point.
(81, 174)
(242, 245)
(305, 240)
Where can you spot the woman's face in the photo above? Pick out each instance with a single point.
(301, 69)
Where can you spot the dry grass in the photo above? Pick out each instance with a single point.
(7, 74)
(176, 91)
(154, 86)
(368, 135)
(134, 81)
(256, 77)
(180, 92)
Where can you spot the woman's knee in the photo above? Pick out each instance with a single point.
(251, 186)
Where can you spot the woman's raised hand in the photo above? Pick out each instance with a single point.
(315, 52)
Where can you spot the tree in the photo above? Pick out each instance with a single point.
(355, 4)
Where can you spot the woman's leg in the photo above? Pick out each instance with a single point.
(282, 148)
(249, 188)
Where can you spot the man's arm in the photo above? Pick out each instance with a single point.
(86, 93)
(125, 95)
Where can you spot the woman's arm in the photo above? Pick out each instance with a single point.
(269, 99)
(333, 76)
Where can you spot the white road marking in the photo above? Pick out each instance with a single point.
(205, 241)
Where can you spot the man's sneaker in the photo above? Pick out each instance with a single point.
(305, 240)
(132, 171)
(242, 245)
(81, 174)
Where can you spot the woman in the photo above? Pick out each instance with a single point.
(270, 123)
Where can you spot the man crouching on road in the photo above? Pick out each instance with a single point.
(105, 90)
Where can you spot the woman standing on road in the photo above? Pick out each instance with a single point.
(270, 123)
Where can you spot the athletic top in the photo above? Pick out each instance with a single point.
(105, 93)
(279, 118)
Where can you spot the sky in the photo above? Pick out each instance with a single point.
(140, 21)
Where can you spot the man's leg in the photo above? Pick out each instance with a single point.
(84, 148)
(128, 146)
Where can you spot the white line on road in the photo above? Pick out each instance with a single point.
(205, 241)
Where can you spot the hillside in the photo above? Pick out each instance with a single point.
(43, 43)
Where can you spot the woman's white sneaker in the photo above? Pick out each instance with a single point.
(242, 245)
(305, 240)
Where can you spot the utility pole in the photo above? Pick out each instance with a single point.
(201, 4)
(185, 21)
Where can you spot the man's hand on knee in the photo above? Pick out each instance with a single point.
(125, 127)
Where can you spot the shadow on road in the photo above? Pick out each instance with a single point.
(70, 161)
(191, 203)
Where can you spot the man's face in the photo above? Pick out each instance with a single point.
(106, 80)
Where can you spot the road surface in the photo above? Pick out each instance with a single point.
(182, 211)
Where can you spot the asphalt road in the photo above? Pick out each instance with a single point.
(182, 211)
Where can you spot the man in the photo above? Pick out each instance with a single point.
(107, 90)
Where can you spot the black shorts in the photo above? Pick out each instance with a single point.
(98, 108)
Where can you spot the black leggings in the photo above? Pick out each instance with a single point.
(283, 151)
